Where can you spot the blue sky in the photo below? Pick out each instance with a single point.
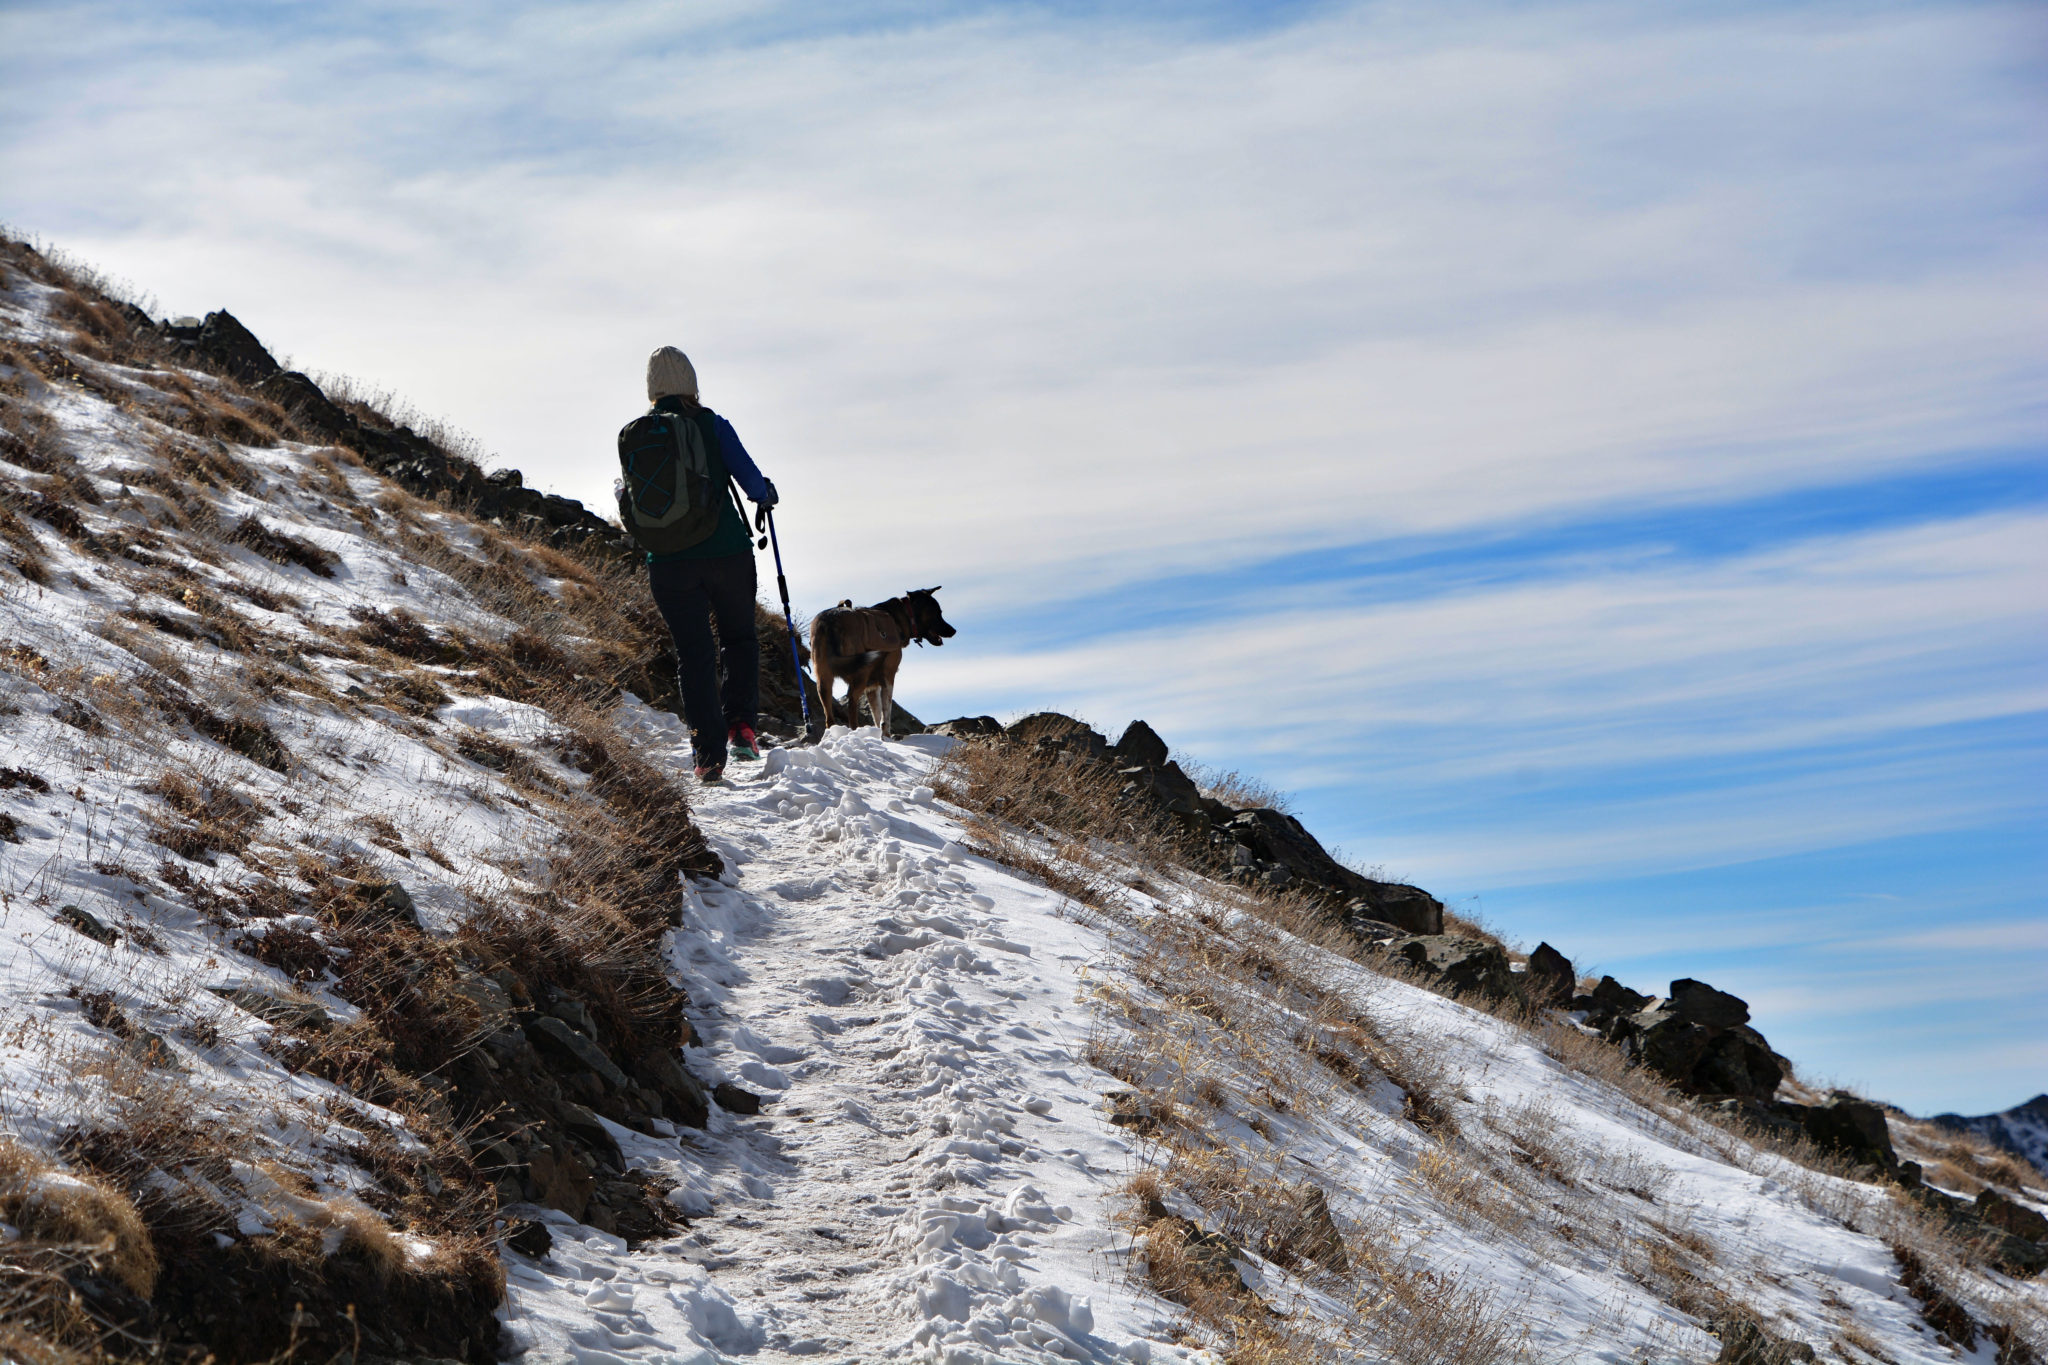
(1590, 454)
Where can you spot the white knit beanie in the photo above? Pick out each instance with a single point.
(669, 371)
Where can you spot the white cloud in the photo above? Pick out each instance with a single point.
(1097, 298)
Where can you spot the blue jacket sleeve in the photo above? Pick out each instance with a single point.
(738, 463)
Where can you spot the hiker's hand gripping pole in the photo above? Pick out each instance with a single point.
(788, 620)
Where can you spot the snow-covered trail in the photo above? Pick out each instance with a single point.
(932, 1176)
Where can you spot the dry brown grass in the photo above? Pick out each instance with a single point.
(56, 1208)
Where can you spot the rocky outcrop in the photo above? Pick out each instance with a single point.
(1258, 845)
(1456, 963)
(1550, 978)
(534, 1090)
(2004, 1232)
(1697, 1038)
(220, 342)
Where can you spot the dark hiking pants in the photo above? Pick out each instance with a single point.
(692, 593)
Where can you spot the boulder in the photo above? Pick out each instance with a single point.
(1055, 731)
(1550, 978)
(1738, 1062)
(684, 1094)
(1696, 1058)
(529, 1238)
(969, 727)
(388, 903)
(87, 923)
(1744, 1342)
(227, 345)
(1460, 964)
(558, 1042)
(1698, 1003)
(2016, 1218)
(1165, 786)
(1410, 907)
(1608, 1001)
(733, 1100)
(1850, 1127)
(1277, 837)
(303, 1015)
(1141, 744)
(313, 410)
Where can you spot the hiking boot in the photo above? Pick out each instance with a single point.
(742, 741)
(712, 772)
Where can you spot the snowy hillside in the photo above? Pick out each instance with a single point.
(377, 984)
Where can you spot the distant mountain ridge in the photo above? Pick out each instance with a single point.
(2022, 1129)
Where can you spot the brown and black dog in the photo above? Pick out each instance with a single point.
(864, 646)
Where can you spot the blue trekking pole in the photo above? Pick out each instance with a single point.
(788, 621)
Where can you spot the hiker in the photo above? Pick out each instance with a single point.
(679, 461)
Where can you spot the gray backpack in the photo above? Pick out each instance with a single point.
(668, 500)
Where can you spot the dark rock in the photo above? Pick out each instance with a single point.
(1166, 787)
(315, 413)
(388, 902)
(1744, 1342)
(969, 727)
(1550, 978)
(1414, 909)
(1277, 837)
(1141, 744)
(1315, 1235)
(227, 345)
(530, 1238)
(1210, 1254)
(1461, 964)
(1609, 1000)
(586, 1127)
(85, 922)
(556, 1040)
(1058, 732)
(490, 999)
(1698, 1003)
(1852, 1128)
(296, 1014)
(109, 1303)
(575, 1014)
(901, 722)
(1738, 1062)
(2003, 1213)
(734, 1100)
(561, 1180)
(683, 1093)
(1133, 1110)
(1778, 1120)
